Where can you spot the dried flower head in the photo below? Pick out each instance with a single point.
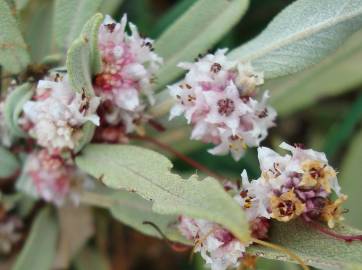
(218, 97)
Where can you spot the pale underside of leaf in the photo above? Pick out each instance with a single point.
(314, 248)
(196, 31)
(301, 35)
(14, 55)
(40, 247)
(148, 174)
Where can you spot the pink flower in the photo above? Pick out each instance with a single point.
(218, 97)
(129, 67)
(51, 175)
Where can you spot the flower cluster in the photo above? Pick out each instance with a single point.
(296, 185)
(128, 71)
(290, 186)
(219, 248)
(56, 114)
(218, 97)
(55, 178)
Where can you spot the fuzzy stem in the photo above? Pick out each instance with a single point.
(179, 155)
(327, 231)
(282, 249)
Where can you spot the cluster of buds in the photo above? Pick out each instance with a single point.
(128, 71)
(219, 98)
(290, 186)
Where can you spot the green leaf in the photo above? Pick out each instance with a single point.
(74, 233)
(350, 178)
(14, 56)
(301, 35)
(35, 20)
(148, 174)
(69, 19)
(9, 165)
(83, 57)
(298, 91)
(170, 16)
(14, 106)
(88, 130)
(196, 31)
(40, 247)
(91, 259)
(20, 4)
(316, 249)
(110, 6)
(342, 131)
(132, 210)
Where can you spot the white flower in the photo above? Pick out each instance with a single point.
(218, 96)
(57, 113)
(128, 71)
(218, 247)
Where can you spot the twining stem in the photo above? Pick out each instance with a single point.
(283, 250)
(175, 246)
(327, 231)
(179, 155)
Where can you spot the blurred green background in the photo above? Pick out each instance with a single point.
(320, 107)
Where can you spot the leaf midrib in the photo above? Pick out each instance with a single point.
(301, 35)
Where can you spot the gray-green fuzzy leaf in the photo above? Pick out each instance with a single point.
(91, 259)
(70, 17)
(132, 210)
(148, 174)
(40, 247)
(350, 178)
(196, 31)
(302, 35)
(9, 165)
(316, 249)
(13, 108)
(83, 58)
(337, 74)
(14, 55)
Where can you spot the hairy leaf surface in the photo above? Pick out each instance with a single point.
(196, 31)
(14, 55)
(148, 174)
(301, 35)
(316, 249)
(69, 19)
(337, 74)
